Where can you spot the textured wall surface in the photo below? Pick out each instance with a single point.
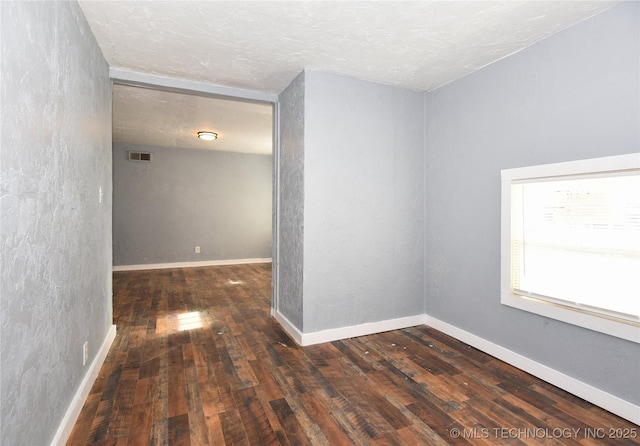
(55, 274)
(573, 96)
(291, 203)
(364, 208)
(183, 198)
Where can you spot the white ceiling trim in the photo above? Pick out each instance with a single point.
(177, 85)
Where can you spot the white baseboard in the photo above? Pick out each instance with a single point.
(600, 398)
(189, 264)
(71, 416)
(353, 331)
(289, 327)
(336, 334)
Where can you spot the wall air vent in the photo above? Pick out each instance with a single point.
(139, 156)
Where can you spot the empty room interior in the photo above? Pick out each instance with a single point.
(403, 222)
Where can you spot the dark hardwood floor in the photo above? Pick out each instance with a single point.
(198, 361)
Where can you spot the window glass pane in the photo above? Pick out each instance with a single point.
(577, 240)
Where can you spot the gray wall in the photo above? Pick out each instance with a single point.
(183, 198)
(55, 273)
(572, 96)
(351, 202)
(363, 211)
(291, 202)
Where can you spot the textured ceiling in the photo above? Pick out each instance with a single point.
(160, 118)
(263, 45)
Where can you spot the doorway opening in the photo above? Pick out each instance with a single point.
(193, 202)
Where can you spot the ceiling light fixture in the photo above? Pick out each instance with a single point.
(207, 136)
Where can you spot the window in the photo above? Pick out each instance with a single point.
(571, 242)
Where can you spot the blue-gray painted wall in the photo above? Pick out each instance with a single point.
(363, 202)
(55, 272)
(572, 96)
(183, 198)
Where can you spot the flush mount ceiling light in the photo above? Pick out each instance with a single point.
(207, 136)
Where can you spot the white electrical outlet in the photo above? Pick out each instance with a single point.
(85, 352)
(197, 250)
(100, 195)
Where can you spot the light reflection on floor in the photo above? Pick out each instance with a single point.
(189, 321)
(173, 322)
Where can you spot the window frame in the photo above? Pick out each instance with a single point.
(592, 320)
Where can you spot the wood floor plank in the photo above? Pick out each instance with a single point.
(178, 430)
(142, 387)
(99, 430)
(197, 423)
(419, 432)
(265, 380)
(233, 428)
(141, 418)
(159, 432)
(383, 416)
(292, 427)
(176, 383)
(214, 430)
(254, 418)
(442, 423)
(198, 360)
(333, 433)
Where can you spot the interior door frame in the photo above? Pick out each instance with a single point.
(184, 86)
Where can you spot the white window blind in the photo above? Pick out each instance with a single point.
(575, 241)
